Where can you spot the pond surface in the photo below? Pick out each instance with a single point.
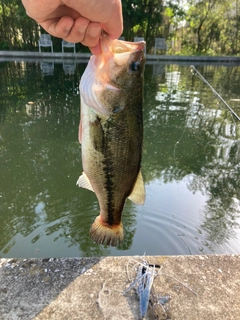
(191, 164)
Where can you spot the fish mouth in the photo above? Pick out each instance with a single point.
(120, 51)
(119, 46)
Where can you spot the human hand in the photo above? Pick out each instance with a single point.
(78, 20)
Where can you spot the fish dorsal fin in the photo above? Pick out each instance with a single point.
(138, 193)
(84, 182)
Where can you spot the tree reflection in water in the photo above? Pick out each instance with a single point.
(187, 135)
(197, 138)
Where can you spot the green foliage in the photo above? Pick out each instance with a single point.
(16, 29)
(142, 19)
(212, 27)
(4, 45)
(209, 27)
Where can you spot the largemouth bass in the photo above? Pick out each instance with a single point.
(111, 133)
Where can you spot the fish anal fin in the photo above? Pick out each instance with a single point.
(103, 233)
(84, 182)
(138, 193)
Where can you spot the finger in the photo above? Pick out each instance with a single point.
(78, 31)
(96, 50)
(113, 32)
(92, 35)
(58, 27)
(114, 27)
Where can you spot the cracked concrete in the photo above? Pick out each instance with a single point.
(200, 287)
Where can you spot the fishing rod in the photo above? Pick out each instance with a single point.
(195, 71)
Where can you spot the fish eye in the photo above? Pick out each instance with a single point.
(135, 66)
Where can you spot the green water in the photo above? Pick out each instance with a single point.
(190, 165)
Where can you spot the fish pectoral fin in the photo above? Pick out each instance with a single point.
(138, 193)
(110, 87)
(80, 132)
(84, 182)
(97, 134)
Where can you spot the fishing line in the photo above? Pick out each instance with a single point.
(196, 72)
(232, 113)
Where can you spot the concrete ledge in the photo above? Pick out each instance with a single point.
(194, 58)
(91, 288)
(43, 55)
(81, 57)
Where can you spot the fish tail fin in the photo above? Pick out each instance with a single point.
(103, 233)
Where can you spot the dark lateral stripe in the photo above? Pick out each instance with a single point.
(107, 168)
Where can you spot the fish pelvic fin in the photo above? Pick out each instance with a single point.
(84, 182)
(138, 193)
(106, 234)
